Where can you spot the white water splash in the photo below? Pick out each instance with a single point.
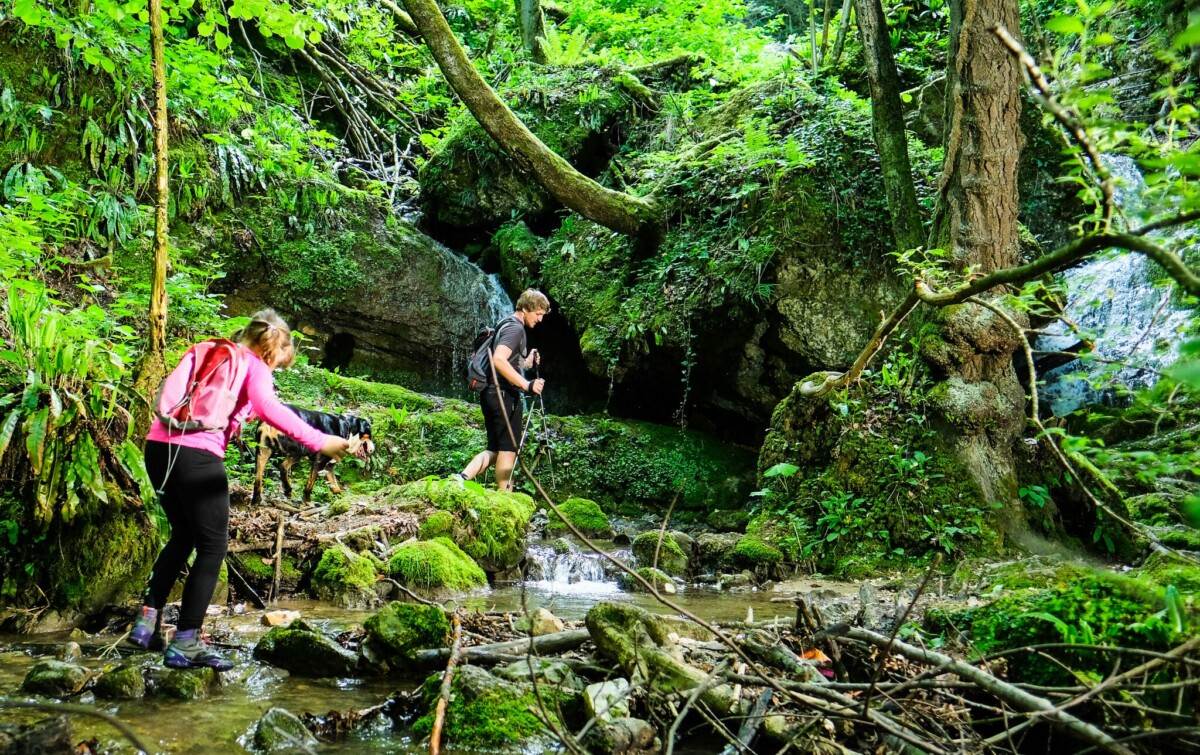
(1112, 300)
(570, 572)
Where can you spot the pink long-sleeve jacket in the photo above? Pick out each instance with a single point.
(257, 400)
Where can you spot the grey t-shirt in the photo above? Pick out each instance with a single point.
(511, 333)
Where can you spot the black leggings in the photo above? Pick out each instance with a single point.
(196, 501)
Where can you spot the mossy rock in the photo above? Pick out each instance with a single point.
(487, 712)
(435, 565)
(728, 520)
(125, 682)
(345, 578)
(641, 645)
(437, 524)
(656, 577)
(183, 684)
(305, 652)
(547, 671)
(752, 552)
(490, 525)
(398, 630)
(55, 678)
(586, 515)
(713, 550)
(280, 730)
(671, 557)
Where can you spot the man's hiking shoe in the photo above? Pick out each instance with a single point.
(457, 479)
(144, 628)
(187, 650)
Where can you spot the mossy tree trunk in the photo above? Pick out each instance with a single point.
(153, 366)
(887, 121)
(613, 209)
(533, 28)
(976, 221)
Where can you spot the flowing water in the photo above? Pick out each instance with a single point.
(1112, 299)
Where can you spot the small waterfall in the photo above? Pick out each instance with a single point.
(477, 300)
(572, 571)
(1112, 300)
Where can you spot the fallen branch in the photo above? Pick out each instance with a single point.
(557, 642)
(1010, 694)
(439, 716)
(83, 710)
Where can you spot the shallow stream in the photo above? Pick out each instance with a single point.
(569, 585)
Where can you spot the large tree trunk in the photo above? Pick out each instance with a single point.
(976, 221)
(887, 121)
(533, 28)
(153, 367)
(621, 212)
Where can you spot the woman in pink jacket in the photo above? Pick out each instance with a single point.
(188, 470)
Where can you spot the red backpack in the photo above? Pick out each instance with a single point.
(203, 396)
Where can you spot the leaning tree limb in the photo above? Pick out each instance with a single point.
(84, 710)
(435, 737)
(1014, 696)
(613, 209)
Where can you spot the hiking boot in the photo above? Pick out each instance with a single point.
(145, 629)
(187, 650)
(457, 479)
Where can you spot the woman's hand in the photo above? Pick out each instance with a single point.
(335, 447)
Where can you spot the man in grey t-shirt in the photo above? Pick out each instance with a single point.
(503, 401)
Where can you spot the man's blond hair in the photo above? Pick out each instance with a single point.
(531, 300)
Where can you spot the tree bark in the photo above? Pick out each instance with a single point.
(153, 367)
(533, 29)
(887, 122)
(976, 221)
(613, 209)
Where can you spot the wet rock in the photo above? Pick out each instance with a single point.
(182, 684)
(55, 678)
(660, 579)
(50, 736)
(738, 581)
(345, 578)
(400, 629)
(125, 682)
(70, 652)
(554, 673)
(279, 730)
(607, 701)
(561, 546)
(279, 618)
(672, 558)
(544, 622)
(712, 550)
(305, 652)
(624, 736)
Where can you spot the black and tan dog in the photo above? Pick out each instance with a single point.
(272, 442)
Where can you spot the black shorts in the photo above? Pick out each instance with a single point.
(498, 438)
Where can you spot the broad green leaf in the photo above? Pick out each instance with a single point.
(782, 469)
(35, 439)
(1189, 36)
(1065, 25)
(8, 428)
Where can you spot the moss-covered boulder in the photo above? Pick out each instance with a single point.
(125, 682)
(280, 730)
(671, 557)
(182, 684)
(586, 515)
(657, 577)
(437, 524)
(55, 678)
(489, 525)
(304, 651)
(487, 712)
(752, 552)
(547, 671)
(713, 549)
(437, 565)
(345, 578)
(398, 630)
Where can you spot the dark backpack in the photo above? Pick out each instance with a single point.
(479, 366)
